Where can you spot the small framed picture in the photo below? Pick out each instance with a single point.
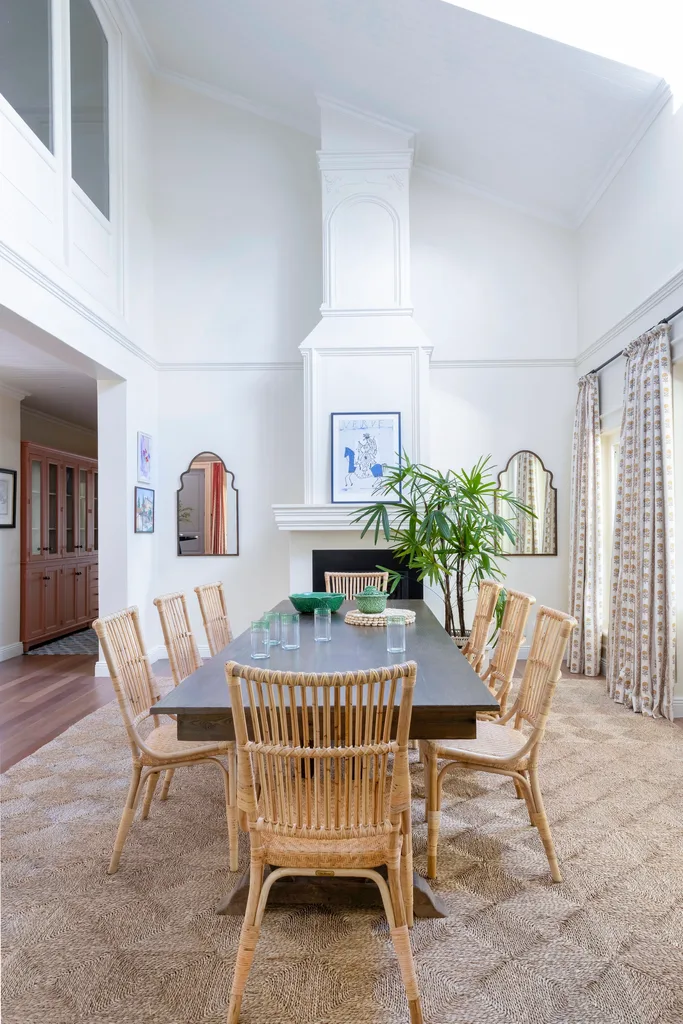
(8, 499)
(144, 458)
(144, 510)
(364, 446)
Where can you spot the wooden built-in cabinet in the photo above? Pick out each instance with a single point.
(59, 542)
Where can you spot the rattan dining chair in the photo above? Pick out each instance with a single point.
(484, 614)
(501, 669)
(183, 654)
(503, 747)
(211, 597)
(156, 748)
(335, 792)
(352, 583)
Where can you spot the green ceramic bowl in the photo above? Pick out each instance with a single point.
(371, 604)
(307, 603)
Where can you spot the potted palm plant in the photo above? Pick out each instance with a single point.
(445, 526)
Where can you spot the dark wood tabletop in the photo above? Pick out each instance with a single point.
(448, 692)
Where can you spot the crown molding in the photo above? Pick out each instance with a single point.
(376, 120)
(234, 99)
(647, 305)
(58, 421)
(401, 160)
(658, 101)
(10, 392)
(480, 192)
(132, 23)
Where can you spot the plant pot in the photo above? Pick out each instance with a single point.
(460, 639)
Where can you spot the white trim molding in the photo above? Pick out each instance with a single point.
(14, 650)
(650, 303)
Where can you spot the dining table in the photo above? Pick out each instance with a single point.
(448, 695)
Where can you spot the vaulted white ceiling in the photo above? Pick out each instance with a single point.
(527, 119)
(50, 385)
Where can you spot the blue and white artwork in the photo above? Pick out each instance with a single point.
(364, 446)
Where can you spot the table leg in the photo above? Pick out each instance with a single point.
(332, 892)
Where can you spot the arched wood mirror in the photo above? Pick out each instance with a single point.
(530, 483)
(207, 508)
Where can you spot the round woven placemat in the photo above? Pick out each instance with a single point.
(356, 618)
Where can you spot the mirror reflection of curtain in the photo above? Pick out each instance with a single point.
(218, 538)
(525, 490)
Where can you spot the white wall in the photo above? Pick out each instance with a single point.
(632, 242)
(237, 259)
(489, 282)
(254, 421)
(57, 433)
(10, 550)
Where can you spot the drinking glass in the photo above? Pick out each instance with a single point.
(273, 620)
(322, 624)
(260, 639)
(396, 634)
(289, 627)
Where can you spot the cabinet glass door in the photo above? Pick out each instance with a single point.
(52, 508)
(95, 513)
(83, 509)
(69, 509)
(36, 496)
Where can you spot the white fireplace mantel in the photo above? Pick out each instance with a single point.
(310, 518)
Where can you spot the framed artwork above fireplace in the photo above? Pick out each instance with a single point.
(364, 446)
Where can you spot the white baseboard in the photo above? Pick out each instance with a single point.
(157, 653)
(678, 707)
(11, 651)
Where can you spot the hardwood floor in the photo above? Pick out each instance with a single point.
(41, 696)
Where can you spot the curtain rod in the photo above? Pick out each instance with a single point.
(664, 320)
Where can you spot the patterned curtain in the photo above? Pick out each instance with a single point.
(525, 493)
(585, 532)
(642, 636)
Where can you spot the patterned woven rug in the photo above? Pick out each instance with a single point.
(145, 947)
(84, 642)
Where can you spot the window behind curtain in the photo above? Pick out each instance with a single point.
(89, 104)
(25, 63)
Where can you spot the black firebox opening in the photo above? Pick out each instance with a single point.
(366, 560)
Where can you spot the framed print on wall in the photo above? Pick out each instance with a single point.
(8, 499)
(144, 458)
(144, 510)
(364, 446)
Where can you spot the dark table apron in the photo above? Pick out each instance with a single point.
(448, 694)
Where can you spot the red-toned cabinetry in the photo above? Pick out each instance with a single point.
(59, 541)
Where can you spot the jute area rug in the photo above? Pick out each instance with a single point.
(145, 947)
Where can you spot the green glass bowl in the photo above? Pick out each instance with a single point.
(371, 604)
(307, 603)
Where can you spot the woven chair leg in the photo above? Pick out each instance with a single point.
(401, 940)
(149, 794)
(134, 791)
(433, 814)
(230, 782)
(407, 868)
(248, 939)
(541, 823)
(167, 783)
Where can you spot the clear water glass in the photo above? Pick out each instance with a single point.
(273, 620)
(396, 634)
(260, 639)
(322, 624)
(289, 631)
